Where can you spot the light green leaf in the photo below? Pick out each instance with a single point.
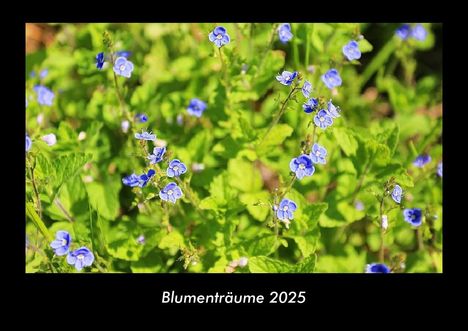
(263, 264)
(244, 176)
(259, 212)
(346, 140)
(307, 265)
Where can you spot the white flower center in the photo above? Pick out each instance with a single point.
(317, 153)
(80, 257)
(64, 242)
(176, 168)
(170, 192)
(122, 67)
(288, 78)
(301, 166)
(322, 119)
(413, 216)
(219, 37)
(285, 208)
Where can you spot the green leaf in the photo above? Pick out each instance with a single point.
(365, 46)
(263, 245)
(274, 138)
(172, 241)
(345, 139)
(307, 243)
(66, 167)
(244, 176)
(105, 198)
(263, 264)
(259, 212)
(313, 212)
(34, 217)
(307, 265)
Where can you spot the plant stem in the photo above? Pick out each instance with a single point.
(382, 232)
(36, 192)
(64, 211)
(279, 114)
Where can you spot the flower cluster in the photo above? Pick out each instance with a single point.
(80, 258)
(324, 117)
(45, 96)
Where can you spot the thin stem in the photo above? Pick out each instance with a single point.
(382, 232)
(64, 211)
(420, 239)
(36, 192)
(280, 113)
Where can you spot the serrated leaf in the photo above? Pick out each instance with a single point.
(172, 241)
(307, 265)
(105, 198)
(263, 264)
(273, 139)
(259, 212)
(346, 140)
(261, 246)
(244, 176)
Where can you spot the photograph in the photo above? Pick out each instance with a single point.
(227, 148)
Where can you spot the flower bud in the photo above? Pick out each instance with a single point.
(384, 222)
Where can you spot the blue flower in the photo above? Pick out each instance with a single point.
(318, 154)
(141, 240)
(323, 119)
(377, 268)
(196, 107)
(61, 244)
(131, 180)
(403, 31)
(80, 258)
(286, 78)
(422, 160)
(142, 118)
(100, 60)
(176, 168)
(333, 110)
(50, 139)
(144, 179)
(284, 33)
(171, 192)
(28, 143)
(219, 36)
(397, 193)
(302, 166)
(44, 95)
(43, 73)
(125, 54)
(123, 67)
(351, 50)
(157, 156)
(311, 105)
(286, 209)
(413, 216)
(419, 32)
(306, 88)
(439, 169)
(331, 78)
(145, 136)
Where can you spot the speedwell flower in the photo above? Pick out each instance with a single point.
(100, 60)
(284, 32)
(422, 160)
(123, 67)
(310, 106)
(286, 77)
(331, 78)
(219, 36)
(306, 88)
(176, 168)
(413, 216)
(50, 139)
(377, 268)
(333, 110)
(44, 95)
(171, 192)
(80, 258)
(28, 143)
(196, 107)
(61, 244)
(157, 156)
(351, 50)
(318, 154)
(285, 210)
(419, 32)
(302, 166)
(403, 31)
(397, 193)
(439, 169)
(323, 119)
(145, 136)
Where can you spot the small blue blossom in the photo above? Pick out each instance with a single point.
(286, 77)
(61, 244)
(331, 78)
(157, 156)
(439, 169)
(144, 178)
(100, 60)
(80, 258)
(43, 73)
(419, 32)
(323, 119)
(142, 118)
(318, 154)
(123, 67)
(333, 110)
(171, 192)
(176, 168)
(44, 95)
(196, 107)
(141, 240)
(422, 160)
(351, 50)
(285, 210)
(28, 143)
(403, 31)
(413, 216)
(306, 88)
(302, 166)
(284, 33)
(397, 193)
(125, 54)
(131, 180)
(359, 206)
(310, 106)
(377, 268)
(145, 136)
(219, 36)
(124, 126)
(50, 139)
